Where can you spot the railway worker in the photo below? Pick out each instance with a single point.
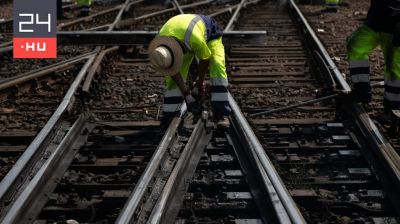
(84, 6)
(378, 29)
(180, 40)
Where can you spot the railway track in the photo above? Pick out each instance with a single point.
(29, 100)
(26, 108)
(153, 21)
(322, 159)
(25, 113)
(32, 120)
(218, 190)
(110, 94)
(103, 173)
(114, 164)
(337, 47)
(27, 196)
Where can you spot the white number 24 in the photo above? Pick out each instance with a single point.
(31, 22)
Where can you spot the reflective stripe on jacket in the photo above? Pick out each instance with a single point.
(191, 30)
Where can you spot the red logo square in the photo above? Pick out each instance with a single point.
(29, 47)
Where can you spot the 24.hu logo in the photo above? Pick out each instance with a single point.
(35, 34)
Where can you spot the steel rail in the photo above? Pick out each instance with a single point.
(11, 178)
(290, 213)
(20, 167)
(381, 153)
(99, 58)
(390, 156)
(173, 194)
(387, 156)
(29, 203)
(261, 187)
(118, 18)
(128, 22)
(90, 17)
(18, 172)
(161, 211)
(97, 28)
(230, 9)
(334, 70)
(178, 6)
(284, 205)
(130, 5)
(133, 203)
(95, 68)
(234, 17)
(28, 76)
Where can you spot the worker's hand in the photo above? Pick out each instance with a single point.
(199, 89)
(191, 103)
(362, 92)
(189, 99)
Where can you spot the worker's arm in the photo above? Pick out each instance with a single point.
(179, 82)
(202, 52)
(182, 87)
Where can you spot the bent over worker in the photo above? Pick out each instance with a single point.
(378, 29)
(180, 40)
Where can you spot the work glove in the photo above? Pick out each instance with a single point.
(191, 103)
(362, 92)
(189, 99)
(199, 89)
